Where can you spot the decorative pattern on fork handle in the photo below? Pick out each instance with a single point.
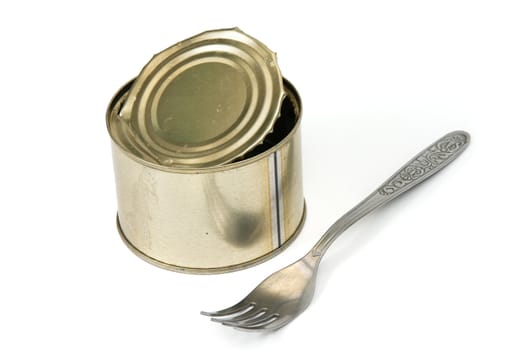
(430, 159)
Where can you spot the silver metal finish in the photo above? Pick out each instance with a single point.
(276, 201)
(287, 293)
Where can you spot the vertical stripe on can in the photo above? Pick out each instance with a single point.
(276, 200)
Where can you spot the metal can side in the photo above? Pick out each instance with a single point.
(210, 220)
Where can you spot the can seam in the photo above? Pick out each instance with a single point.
(276, 199)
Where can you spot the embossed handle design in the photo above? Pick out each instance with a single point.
(421, 167)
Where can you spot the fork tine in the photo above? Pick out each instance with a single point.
(251, 314)
(260, 321)
(269, 325)
(253, 317)
(242, 306)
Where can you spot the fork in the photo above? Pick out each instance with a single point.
(285, 294)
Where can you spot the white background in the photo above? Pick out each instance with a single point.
(441, 268)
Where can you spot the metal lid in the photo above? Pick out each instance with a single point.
(206, 100)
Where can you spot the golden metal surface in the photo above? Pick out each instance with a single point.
(204, 101)
(222, 269)
(212, 219)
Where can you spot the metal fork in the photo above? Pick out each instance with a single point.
(285, 294)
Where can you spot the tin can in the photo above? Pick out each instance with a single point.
(216, 218)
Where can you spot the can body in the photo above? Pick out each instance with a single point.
(215, 219)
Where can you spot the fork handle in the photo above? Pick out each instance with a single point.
(428, 162)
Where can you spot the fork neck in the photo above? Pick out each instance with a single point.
(311, 260)
(370, 203)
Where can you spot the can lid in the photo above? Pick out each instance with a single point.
(206, 100)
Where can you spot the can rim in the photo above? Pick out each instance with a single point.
(288, 87)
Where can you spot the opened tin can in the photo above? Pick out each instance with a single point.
(209, 218)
